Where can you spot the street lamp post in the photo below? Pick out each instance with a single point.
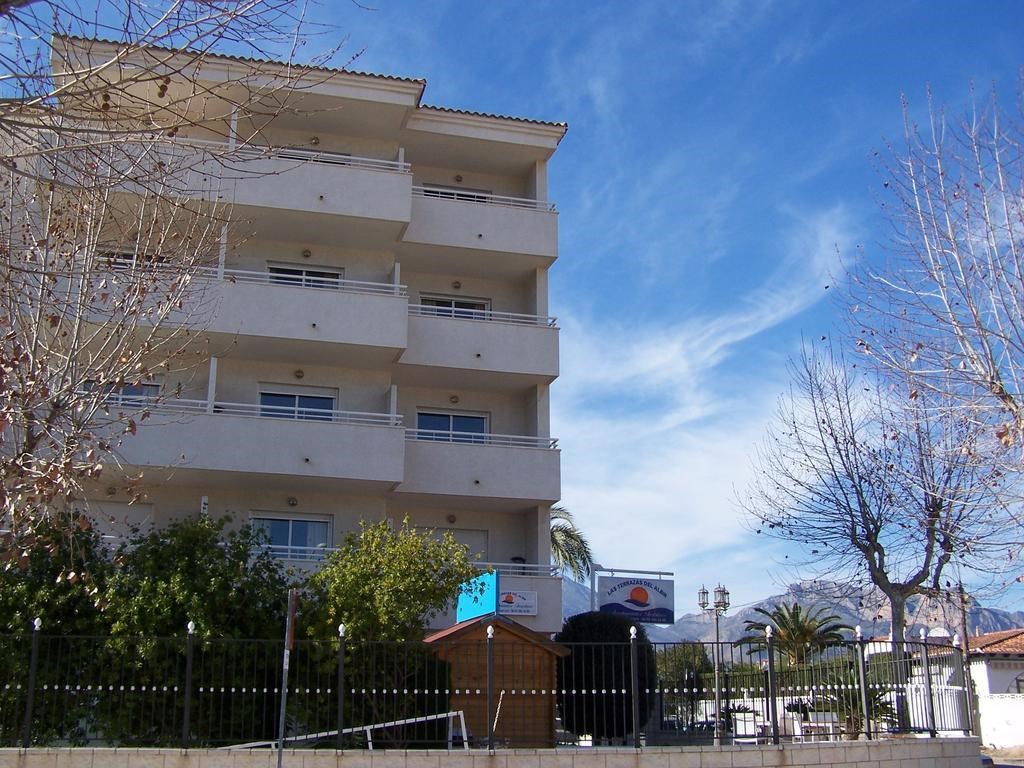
(716, 609)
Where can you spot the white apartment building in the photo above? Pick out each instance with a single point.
(378, 343)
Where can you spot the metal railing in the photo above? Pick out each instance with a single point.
(299, 154)
(191, 692)
(521, 569)
(324, 284)
(480, 438)
(486, 198)
(487, 315)
(162, 404)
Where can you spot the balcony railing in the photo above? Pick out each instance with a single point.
(483, 197)
(299, 154)
(302, 554)
(323, 284)
(521, 569)
(182, 405)
(487, 315)
(477, 438)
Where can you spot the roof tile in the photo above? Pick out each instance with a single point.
(1006, 641)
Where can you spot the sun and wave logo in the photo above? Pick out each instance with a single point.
(639, 597)
(509, 599)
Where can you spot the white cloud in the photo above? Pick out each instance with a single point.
(656, 420)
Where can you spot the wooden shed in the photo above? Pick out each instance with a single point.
(525, 679)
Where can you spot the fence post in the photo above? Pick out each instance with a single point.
(968, 703)
(341, 684)
(186, 725)
(929, 704)
(862, 681)
(490, 688)
(773, 704)
(33, 665)
(634, 679)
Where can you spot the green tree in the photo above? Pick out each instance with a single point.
(56, 574)
(385, 583)
(195, 570)
(570, 550)
(600, 661)
(797, 632)
(682, 662)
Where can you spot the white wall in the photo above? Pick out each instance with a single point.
(996, 675)
(1001, 719)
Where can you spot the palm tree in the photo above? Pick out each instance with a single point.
(570, 550)
(796, 632)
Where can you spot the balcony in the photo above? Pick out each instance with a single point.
(475, 343)
(275, 317)
(483, 222)
(361, 449)
(499, 471)
(369, 190)
(284, 192)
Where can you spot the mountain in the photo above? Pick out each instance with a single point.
(869, 611)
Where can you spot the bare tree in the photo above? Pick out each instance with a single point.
(878, 482)
(112, 211)
(948, 307)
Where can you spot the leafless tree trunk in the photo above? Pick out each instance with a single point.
(878, 482)
(112, 215)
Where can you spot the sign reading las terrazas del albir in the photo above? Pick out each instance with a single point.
(650, 601)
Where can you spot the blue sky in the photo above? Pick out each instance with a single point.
(717, 174)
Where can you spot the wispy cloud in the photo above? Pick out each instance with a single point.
(659, 418)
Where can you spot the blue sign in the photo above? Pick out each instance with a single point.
(478, 597)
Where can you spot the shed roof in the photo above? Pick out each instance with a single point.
(463, 628)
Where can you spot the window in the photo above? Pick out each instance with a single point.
(455, 306)
(292, 405)
(305, 277)
(457, 193)
(1020, 683)
(294, 538)
(451, 427)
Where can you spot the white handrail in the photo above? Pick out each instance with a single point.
(477, 438)
(301, 155)
(468, 196)
(183, 405)
(159, 403)
(307, 414)
(294, 552)
(515, 318)
(520, 569)
(322, 284)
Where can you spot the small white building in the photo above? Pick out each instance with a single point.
(997, 670)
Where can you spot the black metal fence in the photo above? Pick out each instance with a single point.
(191, 692)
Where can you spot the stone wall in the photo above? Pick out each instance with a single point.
(897, 753)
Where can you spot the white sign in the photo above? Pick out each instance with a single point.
(650, 601)
(515, 603)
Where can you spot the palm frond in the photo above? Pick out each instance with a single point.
(570, 550)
